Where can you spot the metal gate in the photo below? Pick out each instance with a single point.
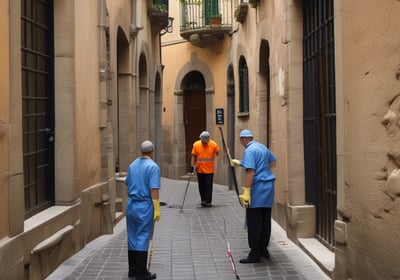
(37, 103)
(320, 114)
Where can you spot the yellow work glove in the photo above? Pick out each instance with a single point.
(235, 162)
(157, 213)
(245, 197)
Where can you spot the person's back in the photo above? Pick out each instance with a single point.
(140, 174)
(142, 210)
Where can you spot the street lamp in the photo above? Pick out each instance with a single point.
(168, 28)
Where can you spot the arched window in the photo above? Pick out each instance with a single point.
(243, 86)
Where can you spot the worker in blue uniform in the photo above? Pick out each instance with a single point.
(258, 195)
(142, 210)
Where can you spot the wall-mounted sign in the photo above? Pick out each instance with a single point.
(219, 116)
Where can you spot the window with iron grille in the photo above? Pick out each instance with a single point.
(243, 86)
(37, 104)
(319, 104)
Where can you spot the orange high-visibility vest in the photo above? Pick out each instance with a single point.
(205, 155)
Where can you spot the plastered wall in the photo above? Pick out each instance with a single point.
(371, 87)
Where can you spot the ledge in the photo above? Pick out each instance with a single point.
(45, 216)
(120, 179)
(53, 240)
(319, 253)
(206, 36)
(243, 114)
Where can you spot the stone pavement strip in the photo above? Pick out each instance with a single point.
(192, 244)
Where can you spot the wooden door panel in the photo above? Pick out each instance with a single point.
(194, 119)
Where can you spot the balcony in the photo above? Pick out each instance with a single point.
(158, 14)
(205, 22)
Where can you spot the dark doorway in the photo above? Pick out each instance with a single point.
(231, 118)
(265, 73)
(37, 104)
(194, 112)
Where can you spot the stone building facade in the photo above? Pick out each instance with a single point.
(80, 90)
(316, 81)
(83, 83)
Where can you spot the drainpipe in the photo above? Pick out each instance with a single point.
(134, 30)
(134, 27)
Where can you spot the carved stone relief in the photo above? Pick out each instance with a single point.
(391, 121)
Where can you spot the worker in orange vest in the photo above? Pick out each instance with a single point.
(205, 154)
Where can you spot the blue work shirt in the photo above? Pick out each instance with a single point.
(143, 175)
(258, 157)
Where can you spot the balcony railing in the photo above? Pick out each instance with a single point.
(205, 21)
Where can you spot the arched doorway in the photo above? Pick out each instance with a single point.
(157, 117)
(265, 103)
(231, 119)
(145, 109)
(194, 109)
(121, 109)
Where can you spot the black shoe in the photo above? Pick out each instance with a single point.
(141, 269)
(265, 254)
(203, 204)
(208, 205)
(250, 260)
(148, 276)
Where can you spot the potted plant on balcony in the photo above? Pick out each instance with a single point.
(216, 20)
(241, 12)
(158, 6)
(193, 2)
(254, 3)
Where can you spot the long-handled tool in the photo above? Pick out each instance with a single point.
(233, 172)
(230, 256)
(184, 196)
(151, 248)
(231, 167)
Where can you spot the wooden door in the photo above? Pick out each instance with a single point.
(194, 119)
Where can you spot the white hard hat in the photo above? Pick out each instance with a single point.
(147, 146)
(246, 133)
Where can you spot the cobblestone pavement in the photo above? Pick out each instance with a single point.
(192, 244)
